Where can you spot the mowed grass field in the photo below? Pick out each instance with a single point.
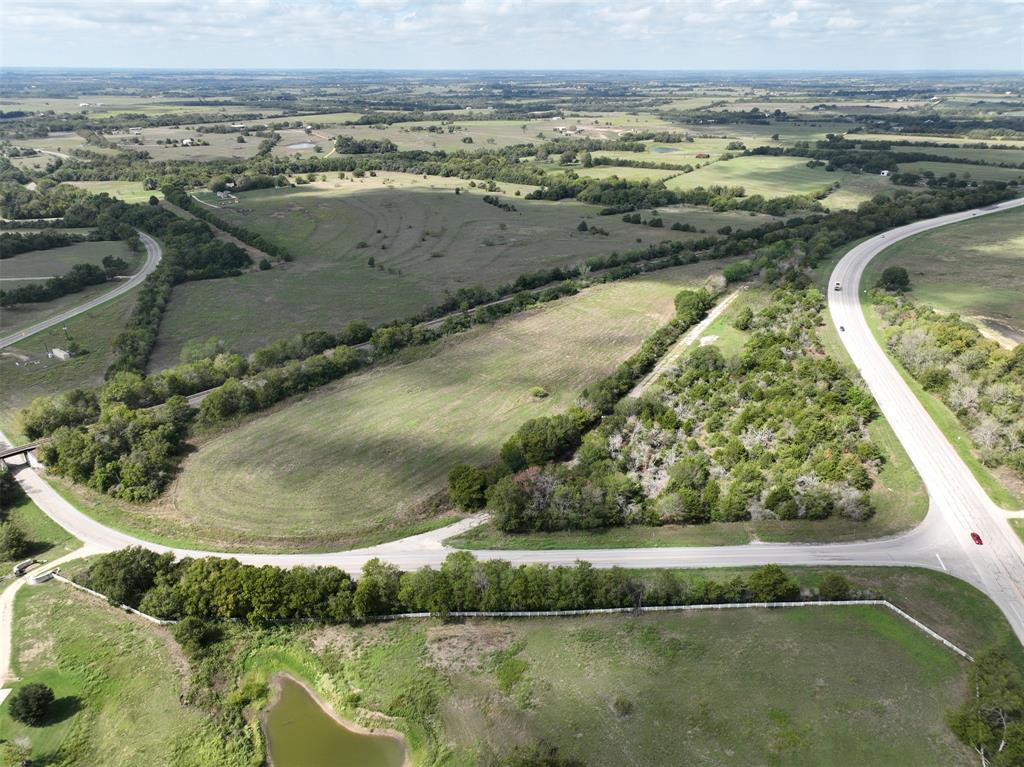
(129, 191)
(424, 241)
(357, 461)
(729, 688)
(843, 687)
(117, 682)
(975, 268)
(774, 177)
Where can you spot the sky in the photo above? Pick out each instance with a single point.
(515, 34)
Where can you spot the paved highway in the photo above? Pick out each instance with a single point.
(942, 542)
(153, 255)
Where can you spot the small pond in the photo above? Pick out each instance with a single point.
(663, 149)
(300, 733)
(301, 145)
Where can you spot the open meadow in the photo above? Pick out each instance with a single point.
(118, 683)
(129, 191)
(965, 170)
(382, 248)
(718, 687)
(359, 460)
(975, 268)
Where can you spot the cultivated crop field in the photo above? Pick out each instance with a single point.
(423, 239)
(356, 461)
(975, 268)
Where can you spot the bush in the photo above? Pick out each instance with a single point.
(894, 279)
(193, 634)
(771, 584)
(13, 543)
(31, 703)
(834, 587)
(466, 486)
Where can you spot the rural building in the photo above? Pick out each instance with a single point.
(186, 142)
(703, 156)
(135, 131)
(884, 173)
(60, 354)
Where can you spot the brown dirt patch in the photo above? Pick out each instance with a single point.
(463, 647)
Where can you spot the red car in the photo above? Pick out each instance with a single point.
(976, 538)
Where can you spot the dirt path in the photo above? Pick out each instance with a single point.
(673, 354)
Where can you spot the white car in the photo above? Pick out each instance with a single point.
(838, 287)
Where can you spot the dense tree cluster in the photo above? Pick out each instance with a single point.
(12, 244)
(128, 453)
(350, 145)
(979, 380)
(991, 720)
(211, 590)
(777, 433)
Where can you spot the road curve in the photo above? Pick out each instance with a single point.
(153, 256)
(958, 504)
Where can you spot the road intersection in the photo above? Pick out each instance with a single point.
(958, 504)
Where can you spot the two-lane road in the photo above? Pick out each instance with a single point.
(153, 256)
(941, 542)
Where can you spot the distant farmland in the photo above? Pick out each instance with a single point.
(355, 461)
(420, 237)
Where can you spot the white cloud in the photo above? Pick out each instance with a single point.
(781, 22)
(844, 22)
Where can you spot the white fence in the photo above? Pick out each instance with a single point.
(606, 611)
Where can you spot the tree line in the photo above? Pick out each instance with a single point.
(211, 590)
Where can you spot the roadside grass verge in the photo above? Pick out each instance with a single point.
(47, 539)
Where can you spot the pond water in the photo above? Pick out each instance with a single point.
(301, 145)
(663, 149)
(301, 734)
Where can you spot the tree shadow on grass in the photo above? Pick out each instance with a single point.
(63, 708)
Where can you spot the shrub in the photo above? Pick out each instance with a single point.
(771, 584)
(894, 279)
(13, 543)
(834, 587)
(466, 486)
(31, 703)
